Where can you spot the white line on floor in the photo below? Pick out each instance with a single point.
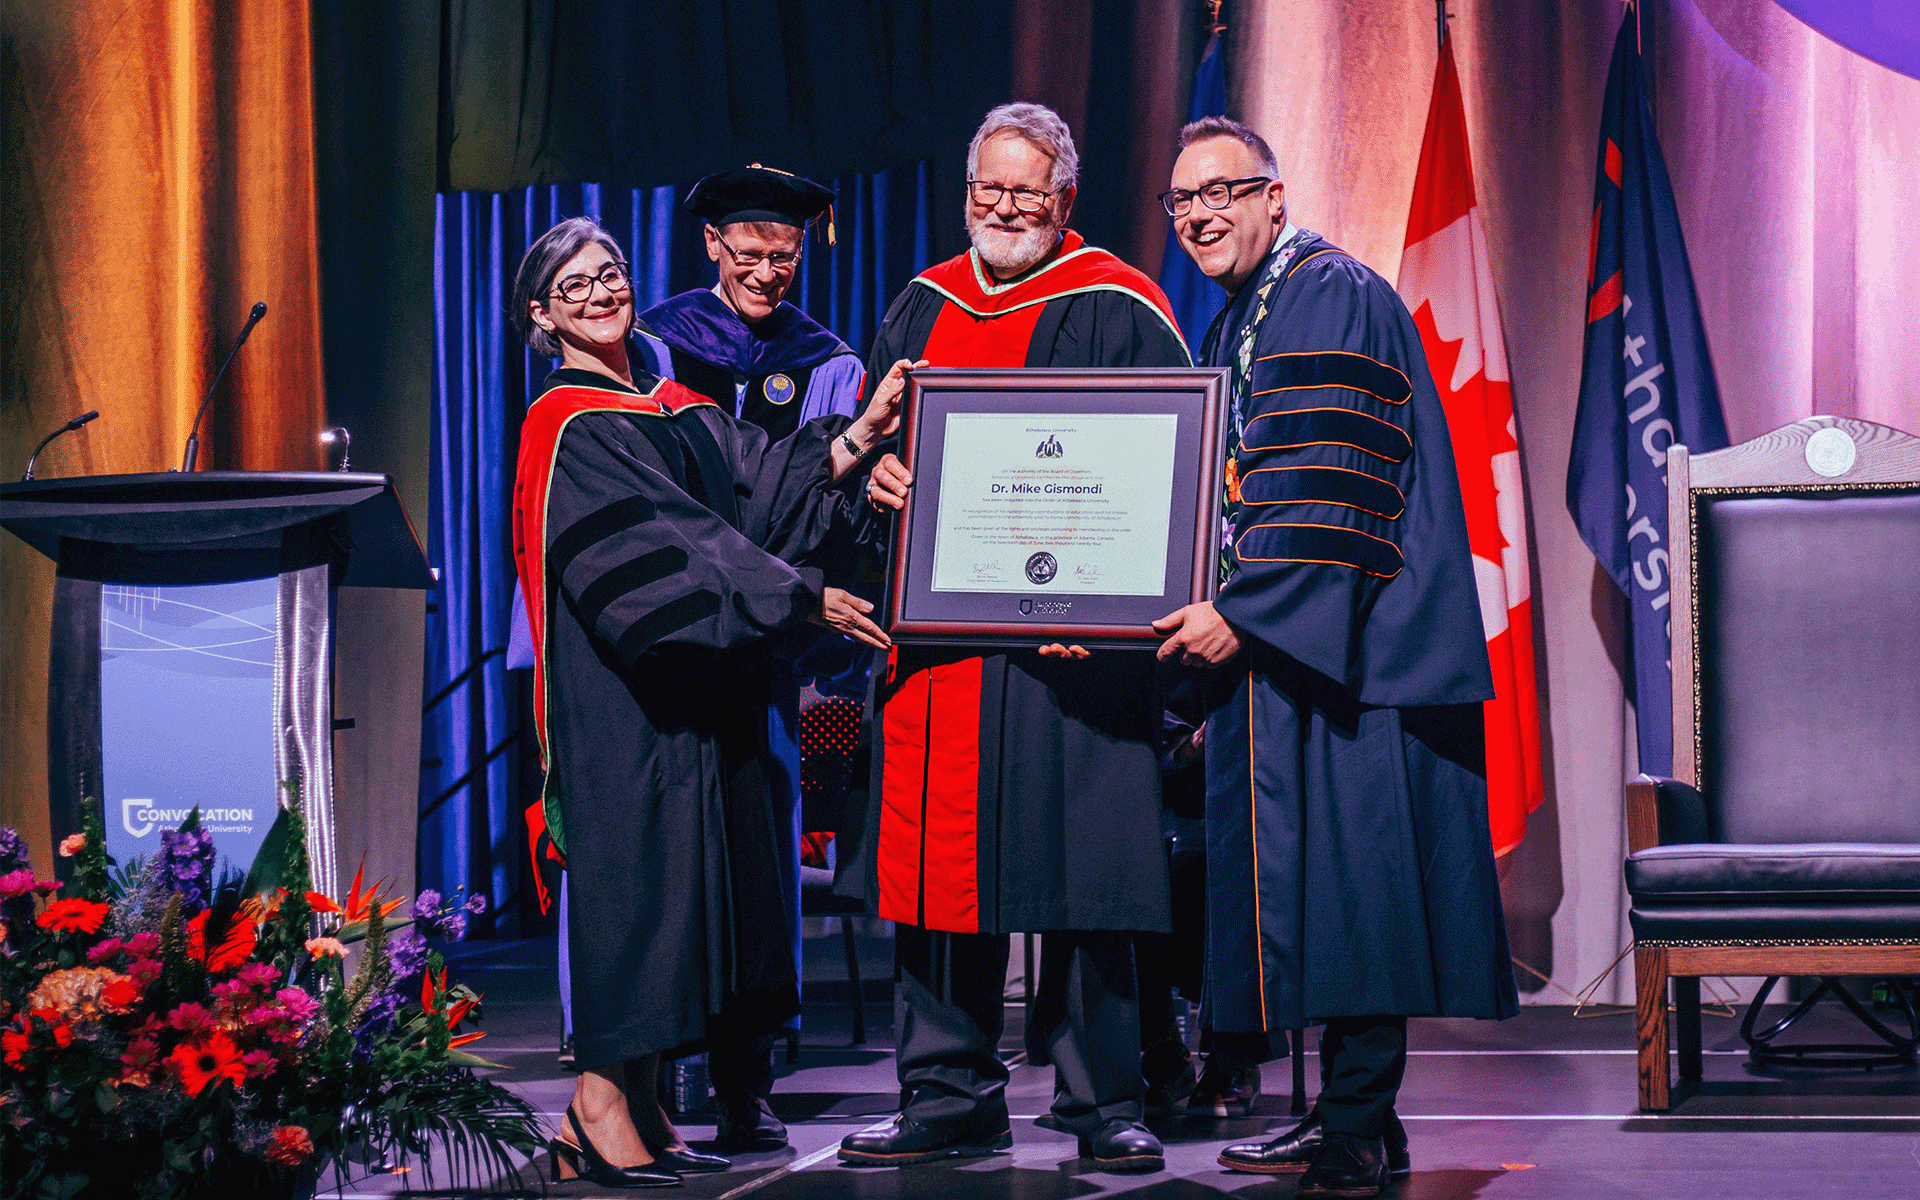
(1550, 1053)
(799, 1164)
(1627, 1117)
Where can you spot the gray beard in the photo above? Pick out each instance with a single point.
(1010, 256)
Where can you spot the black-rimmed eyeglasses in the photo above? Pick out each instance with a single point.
(575, 289)
(1215, 195)
(1025, 199)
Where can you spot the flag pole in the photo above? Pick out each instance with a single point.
(1440, 19)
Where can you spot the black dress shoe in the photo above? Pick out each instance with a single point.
(688, 1161)
(1293, 1150)
(1123, 1146)
(582, 1161)
(1348, 1167)
(747, 1125)
(907, 1141)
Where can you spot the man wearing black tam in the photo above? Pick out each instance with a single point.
(742, 346)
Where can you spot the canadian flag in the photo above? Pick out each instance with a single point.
(1447, 283)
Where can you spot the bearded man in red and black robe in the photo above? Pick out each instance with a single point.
(1016, 791)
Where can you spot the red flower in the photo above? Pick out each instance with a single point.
(73, 916)
(16, 1043)
(207, 1061)
(120, 995)
(291, 1146)
(235, 945)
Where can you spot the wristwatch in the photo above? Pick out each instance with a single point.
(854, 448)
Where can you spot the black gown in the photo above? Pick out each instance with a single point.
(1050, 768)
(670, 541)
(1349, 864)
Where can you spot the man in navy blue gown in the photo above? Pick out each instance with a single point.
(1350, 873)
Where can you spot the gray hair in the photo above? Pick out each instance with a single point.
(1039, 125)
(1227, 127)
(542, 261)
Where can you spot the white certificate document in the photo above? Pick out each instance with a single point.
(1070, 503)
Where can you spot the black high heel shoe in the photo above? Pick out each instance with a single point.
(584, 1162)
(688, 1161)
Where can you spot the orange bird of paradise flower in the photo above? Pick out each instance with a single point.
(430, 992)
(359, 905)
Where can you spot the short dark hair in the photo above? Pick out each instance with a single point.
(542, 261)
(1227, 127)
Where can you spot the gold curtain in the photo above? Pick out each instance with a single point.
(158, 178)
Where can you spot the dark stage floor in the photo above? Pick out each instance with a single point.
(1538, 1107)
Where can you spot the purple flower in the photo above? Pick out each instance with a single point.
(477, 903)
(426, 906)
(408, 952)
(185, 864)
(13, 850)
(454, 927)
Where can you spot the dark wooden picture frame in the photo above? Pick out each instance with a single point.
(916, 614)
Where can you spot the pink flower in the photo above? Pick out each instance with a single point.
(259, 1063)
(190, 1018)
(146, 970)
(299, 1006)
(16, 883)
(104, 951)
(231, 992)
(258, 975)
(72, 844)
(323, 947)
(144, 944)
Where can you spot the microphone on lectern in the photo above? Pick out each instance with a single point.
(193, 436)
(69, 427)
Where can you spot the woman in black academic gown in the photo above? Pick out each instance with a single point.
(663, 547)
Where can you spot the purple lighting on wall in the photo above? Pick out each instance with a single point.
(1886, 31)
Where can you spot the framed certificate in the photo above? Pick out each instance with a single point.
(1054, 505)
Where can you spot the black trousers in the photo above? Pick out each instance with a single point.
(741, 1072)
(1362, 1061)
(950, 1015)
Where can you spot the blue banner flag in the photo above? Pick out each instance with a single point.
(1194, 297)
(1646, 383)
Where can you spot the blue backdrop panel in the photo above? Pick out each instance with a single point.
(186, 714)
(479, 767)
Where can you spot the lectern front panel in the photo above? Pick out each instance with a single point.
(186, 714)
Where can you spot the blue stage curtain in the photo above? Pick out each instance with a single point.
(479, 766)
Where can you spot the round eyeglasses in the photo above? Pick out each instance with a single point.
(575, 289)
(1215, 195)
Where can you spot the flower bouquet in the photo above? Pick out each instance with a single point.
(166, 1034)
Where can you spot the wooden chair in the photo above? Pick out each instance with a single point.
(1788, 840)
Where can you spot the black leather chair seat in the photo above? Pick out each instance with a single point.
(1716, 891)
(1820, 872)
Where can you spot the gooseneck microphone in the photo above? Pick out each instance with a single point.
(69, 427)
(193, 436)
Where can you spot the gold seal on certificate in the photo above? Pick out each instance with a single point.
(1055, 505)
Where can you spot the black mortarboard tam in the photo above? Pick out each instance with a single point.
(757, 193)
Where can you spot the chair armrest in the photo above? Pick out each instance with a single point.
(1662, 812)
(1643, 813)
